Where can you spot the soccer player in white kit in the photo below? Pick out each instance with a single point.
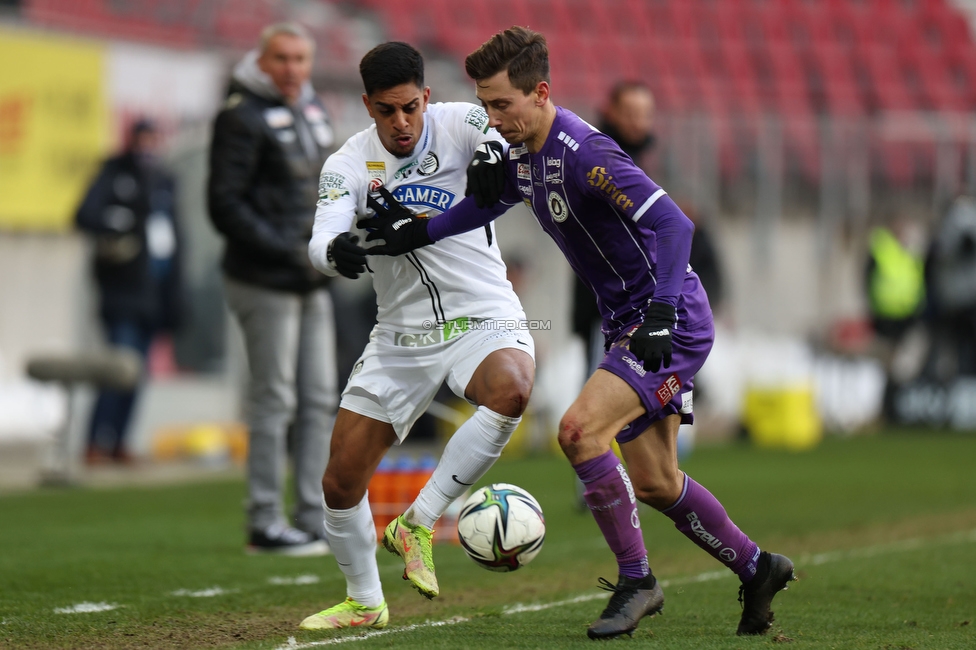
(444, 312)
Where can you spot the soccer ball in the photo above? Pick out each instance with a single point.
(501, 527)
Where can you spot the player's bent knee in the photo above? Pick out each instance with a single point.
(657, 498)
(576, 441)
(507, 393)
(660, 495)
(340, 495)
(511, 399)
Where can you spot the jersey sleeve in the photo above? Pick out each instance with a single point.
(341, 186)
(463, 217)
(468, 124)
(607, 174)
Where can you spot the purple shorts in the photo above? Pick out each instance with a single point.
(668, 390)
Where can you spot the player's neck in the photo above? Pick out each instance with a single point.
(534, 144)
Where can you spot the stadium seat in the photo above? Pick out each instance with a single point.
(808, 27)
(623, 56)
(444, 17)
(938, 93)
(961, 62)
(835, 79)
(773, 26)
(653, 66)
(400, 20)
(741, 73)
(886, 89)
(510, 12)
(941, 24)
(632, 20)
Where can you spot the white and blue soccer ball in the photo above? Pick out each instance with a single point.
(501, 527)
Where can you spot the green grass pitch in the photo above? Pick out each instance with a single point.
(882, 529)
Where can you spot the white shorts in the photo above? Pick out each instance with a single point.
(398, 375)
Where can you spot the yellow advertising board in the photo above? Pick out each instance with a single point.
(53, 127)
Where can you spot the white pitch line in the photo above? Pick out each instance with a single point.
(292, 644)
(203, 593)
(304, 579)
(85, 608)
(809, 559)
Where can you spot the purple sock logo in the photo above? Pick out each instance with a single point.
(699, 530)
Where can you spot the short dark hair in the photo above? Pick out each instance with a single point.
(519, 51)
(626, 86)
(391, 64)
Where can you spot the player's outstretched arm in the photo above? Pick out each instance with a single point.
(400, 229)
(403, 231)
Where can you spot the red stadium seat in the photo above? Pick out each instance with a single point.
(887, 90)
(784, 69)
(398, 18)
(836, 82)
(741, 73)
(961, 69)
(808, 28)
(773, 26)
(931, 69)
(653, 66)
(623, 58)
(508, 13)
(941, 24)
(632, 20)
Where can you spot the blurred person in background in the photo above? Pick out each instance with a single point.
(269, 143)
(950, 271)
(130, 212)
(628, 119)
(895, 286)
(622, 233)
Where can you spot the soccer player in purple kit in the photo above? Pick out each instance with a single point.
(630, 243)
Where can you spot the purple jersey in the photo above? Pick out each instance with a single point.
(618, 229)
(624, 237)
(597, 204)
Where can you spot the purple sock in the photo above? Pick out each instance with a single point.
(611, 499)
(703, 520)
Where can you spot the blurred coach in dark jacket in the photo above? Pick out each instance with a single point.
(130, 212)
(269, 144)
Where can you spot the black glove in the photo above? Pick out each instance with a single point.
(347, 255)
(651, 342)
(401, 229)
(486, 174)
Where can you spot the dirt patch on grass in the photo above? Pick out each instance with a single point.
(192, 630)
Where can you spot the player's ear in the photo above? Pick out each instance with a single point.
(426, 96)
(541, 93)
(369, 107)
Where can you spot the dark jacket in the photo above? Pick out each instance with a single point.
(116, 211)
(265, 162)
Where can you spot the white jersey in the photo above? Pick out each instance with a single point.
(458, 277)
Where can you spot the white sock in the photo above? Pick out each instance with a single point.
(473, 448)
(352, 537)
